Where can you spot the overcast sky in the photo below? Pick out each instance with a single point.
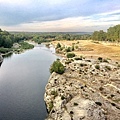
(59, 15)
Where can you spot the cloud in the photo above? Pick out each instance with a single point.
(63, 13)
(72, 24)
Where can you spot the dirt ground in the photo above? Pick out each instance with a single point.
(94, 49)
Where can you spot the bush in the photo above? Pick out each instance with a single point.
(70, 55)
(76, 47)
(97, 66)
(25, 45)
(100, 58)
(73, 48)
(57, 67)
(68, 49)
(5, 50)
(54, 93)
(62, 97)
(58, 45)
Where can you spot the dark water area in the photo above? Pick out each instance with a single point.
(22, 84)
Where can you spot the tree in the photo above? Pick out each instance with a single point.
(113, 33)
(58, 45)
(57, 67)
(99, 35)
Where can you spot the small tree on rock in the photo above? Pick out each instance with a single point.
(57, 67)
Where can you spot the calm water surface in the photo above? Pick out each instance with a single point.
(22, 82)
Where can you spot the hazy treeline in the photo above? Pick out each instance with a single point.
(40, 37)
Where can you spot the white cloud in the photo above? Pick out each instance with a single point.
(79, 24)
(60, 18)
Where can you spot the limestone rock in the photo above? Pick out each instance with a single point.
(84, 91)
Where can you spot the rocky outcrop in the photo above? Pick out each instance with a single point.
(88, 90)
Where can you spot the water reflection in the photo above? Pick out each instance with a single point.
(1, 60)
(8, 55)
(0, 64)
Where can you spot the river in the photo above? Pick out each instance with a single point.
(22, 84)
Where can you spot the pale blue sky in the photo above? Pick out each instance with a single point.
(59, 15)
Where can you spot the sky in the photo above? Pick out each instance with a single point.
(59, 15)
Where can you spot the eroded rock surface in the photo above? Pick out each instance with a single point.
(88, 90)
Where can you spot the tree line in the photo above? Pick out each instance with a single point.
(112, 34)
(7, 39)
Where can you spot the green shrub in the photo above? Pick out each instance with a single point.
(54, 93)
(68, 49)
(70, 55)
(100, 58)
(73, 48)
(97, 67)
(76, 47)
(62, 97)
(5, 50)
(57, 67)
(25, 45)
(58, 45)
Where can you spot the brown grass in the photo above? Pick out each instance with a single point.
(106, 50)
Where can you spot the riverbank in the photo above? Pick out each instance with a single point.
(17, 48)
(89, 90)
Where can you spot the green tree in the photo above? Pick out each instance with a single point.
(57, 67)
(58, 45)
(99, 35)
(113, 33)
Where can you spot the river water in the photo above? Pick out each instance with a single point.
(22, 84)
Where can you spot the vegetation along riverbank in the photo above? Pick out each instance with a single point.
(10, 43)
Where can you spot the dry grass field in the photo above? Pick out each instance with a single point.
(90, 48)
